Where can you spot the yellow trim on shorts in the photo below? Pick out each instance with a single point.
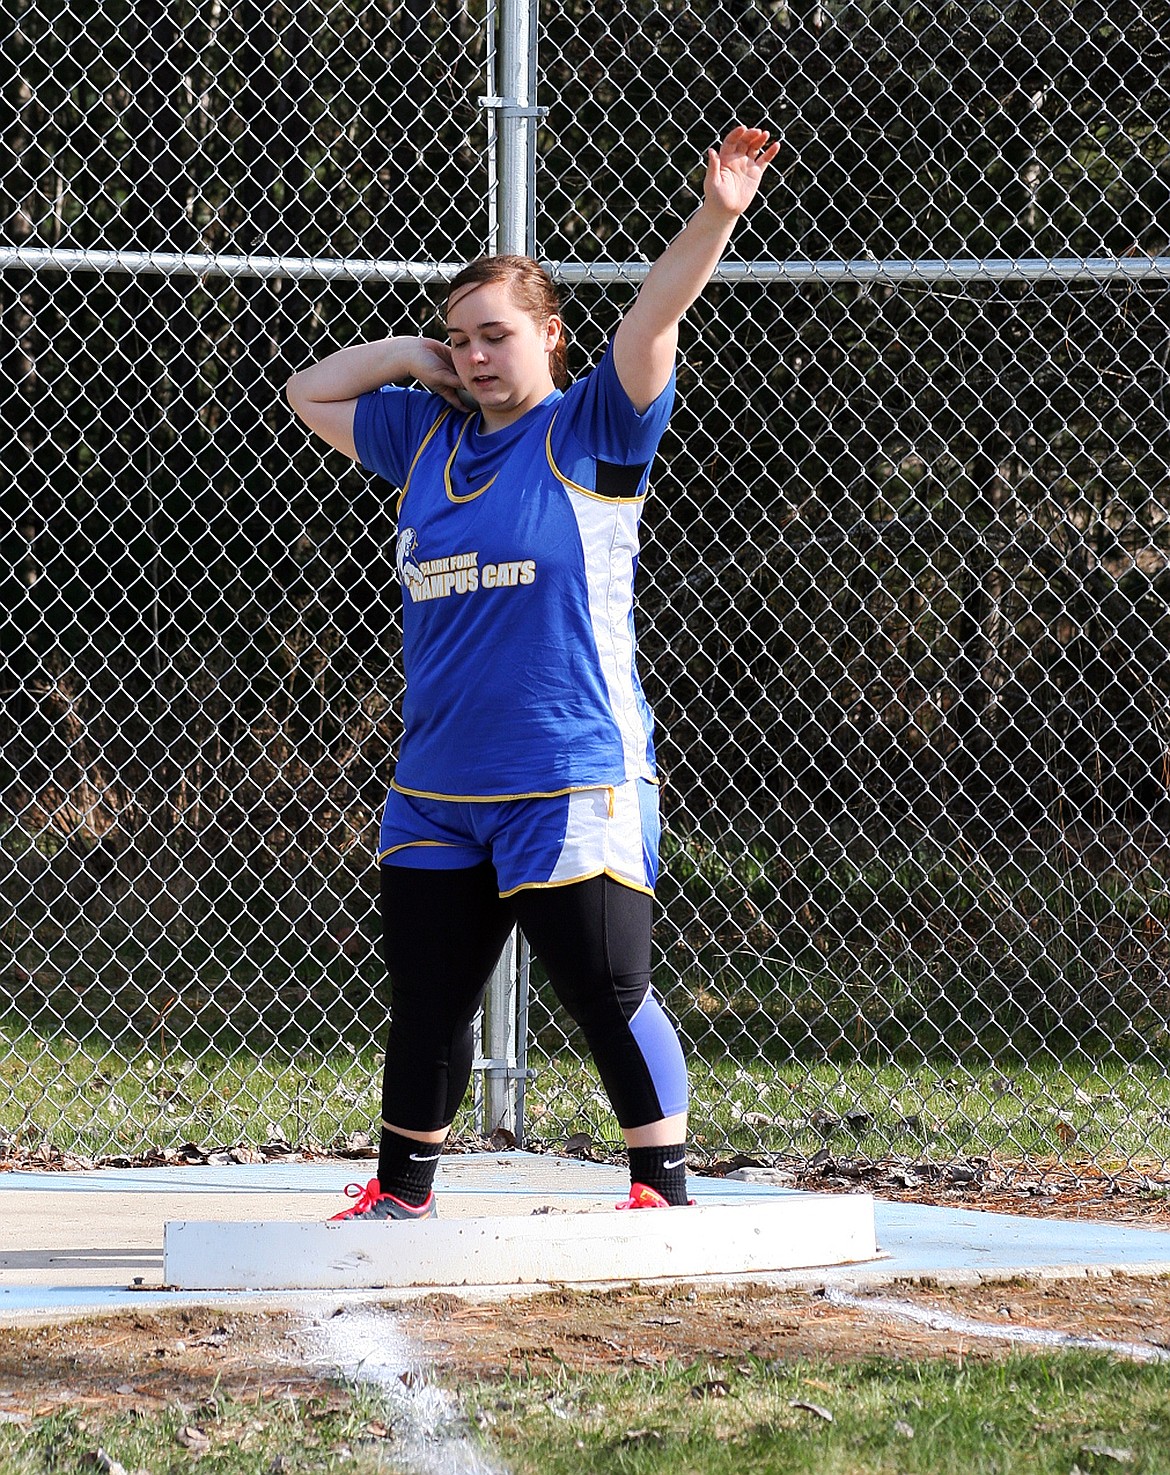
(406, 844)
(426, 440)
(573, 486)
(572, 881)
(499, 798)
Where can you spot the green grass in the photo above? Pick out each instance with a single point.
(85, 1098)
(353, 1432)
(1070, 1109)
(1024, 1415)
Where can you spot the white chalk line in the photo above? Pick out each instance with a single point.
(430, 1435)
(943, 1321)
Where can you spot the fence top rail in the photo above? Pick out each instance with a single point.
(186, 263)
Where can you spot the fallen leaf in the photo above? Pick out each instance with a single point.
(214, 1338)
(377, 1430)
(903, 1428)
(580, 1144)
(193, 1438)
(1066, 1132)
(712, 1388)
(1107, 1452)
(102, 1461)
(641, 1436)
(502, 1140)
(811, 1408)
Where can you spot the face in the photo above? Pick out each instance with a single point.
(501, 354)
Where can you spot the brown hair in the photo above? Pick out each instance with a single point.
(532, 291)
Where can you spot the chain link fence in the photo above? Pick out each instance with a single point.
(904, 614)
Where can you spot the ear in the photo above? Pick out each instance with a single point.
(552, 333)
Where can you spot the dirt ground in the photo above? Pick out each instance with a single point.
(592, 1332)
(145, 1360)
(1123, 1195)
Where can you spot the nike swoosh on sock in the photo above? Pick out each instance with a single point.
(677, 1164)
(415, 1158)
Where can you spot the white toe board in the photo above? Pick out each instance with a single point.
(796, 1231)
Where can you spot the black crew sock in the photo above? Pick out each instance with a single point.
(663, 1169)
(406, 1167)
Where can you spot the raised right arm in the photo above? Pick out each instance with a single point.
(325, 395)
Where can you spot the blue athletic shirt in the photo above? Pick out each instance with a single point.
(517, 553)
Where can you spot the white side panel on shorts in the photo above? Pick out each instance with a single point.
(595, 840)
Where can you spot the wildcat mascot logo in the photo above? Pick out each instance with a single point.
(408, 570)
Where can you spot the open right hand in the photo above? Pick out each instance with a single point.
(435, 370)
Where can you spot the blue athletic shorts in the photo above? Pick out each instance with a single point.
(531, 842)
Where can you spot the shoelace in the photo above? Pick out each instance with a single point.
(367, 1195)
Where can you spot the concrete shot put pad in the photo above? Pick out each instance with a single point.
(582, 1247)
(83, 1242)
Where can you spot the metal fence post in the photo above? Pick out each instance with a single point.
(499, 1045)
(515, 219)
(515, 106)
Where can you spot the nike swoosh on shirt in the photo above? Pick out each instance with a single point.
(677, 1164)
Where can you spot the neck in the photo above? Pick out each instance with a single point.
(493, 417)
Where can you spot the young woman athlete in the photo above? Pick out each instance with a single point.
(524, 789)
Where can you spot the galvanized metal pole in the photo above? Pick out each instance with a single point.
(514, 221)
(517, 112)
(499, 1045)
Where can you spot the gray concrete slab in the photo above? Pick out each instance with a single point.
(76, 1242)
(954, 1245)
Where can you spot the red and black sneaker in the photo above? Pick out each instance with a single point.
(372, 1203)
(642, 1197)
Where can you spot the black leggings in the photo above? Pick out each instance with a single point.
(443, 932)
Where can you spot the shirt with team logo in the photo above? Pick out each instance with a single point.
(517, 553)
